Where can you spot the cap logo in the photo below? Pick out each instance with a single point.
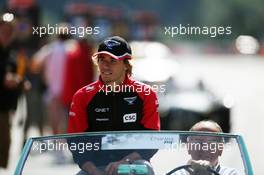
(111, 43)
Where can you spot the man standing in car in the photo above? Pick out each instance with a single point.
(115, 102)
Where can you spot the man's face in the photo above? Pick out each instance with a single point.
(111, 70)
(205, 147)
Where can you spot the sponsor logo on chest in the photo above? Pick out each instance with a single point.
(130, 100)
(102, 110)
(130, 118)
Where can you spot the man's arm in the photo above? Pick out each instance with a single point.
(77, 121)
(91, 168)
(151, 118)
(84, 157)
(112, 167)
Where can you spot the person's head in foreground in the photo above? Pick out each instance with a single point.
(112, 59)
(205, 150)
(212, 142)
(205, 159)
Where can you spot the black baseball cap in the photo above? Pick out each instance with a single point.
(116, 47)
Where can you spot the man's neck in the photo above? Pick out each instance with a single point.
(115, 83)
(115, 86)
(215, 163)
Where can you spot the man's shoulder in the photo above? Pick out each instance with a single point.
(142, 89)
(228, 171)
(89, 89)
(139, 84)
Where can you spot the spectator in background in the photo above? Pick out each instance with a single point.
(35, 107)
(10, 87)
(78, 70)
(52, 58)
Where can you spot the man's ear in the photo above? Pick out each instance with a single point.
(126, 68)
(219, 152)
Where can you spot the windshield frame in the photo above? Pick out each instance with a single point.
(240, 141)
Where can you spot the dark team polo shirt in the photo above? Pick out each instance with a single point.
(131, 106)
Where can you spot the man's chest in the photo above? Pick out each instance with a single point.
(115, 110)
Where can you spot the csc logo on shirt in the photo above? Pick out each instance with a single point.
(128, 118)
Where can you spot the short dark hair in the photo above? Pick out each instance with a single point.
(129, 67)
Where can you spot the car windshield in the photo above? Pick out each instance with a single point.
(161, 152)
